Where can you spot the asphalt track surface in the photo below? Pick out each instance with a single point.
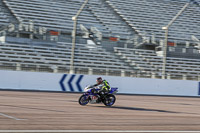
(61, 111)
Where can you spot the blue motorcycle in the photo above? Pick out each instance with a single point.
(92, 95)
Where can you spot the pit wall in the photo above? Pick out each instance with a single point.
(76, 83)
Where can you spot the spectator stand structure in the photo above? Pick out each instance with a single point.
(41, 37)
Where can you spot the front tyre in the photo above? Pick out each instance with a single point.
(109, 100)
(83, 100)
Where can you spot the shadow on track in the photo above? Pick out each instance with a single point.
(137, 109)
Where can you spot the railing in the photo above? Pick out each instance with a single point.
(94, 71)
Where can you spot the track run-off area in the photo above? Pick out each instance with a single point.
(23, 110)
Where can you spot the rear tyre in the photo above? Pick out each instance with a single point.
(83, 100)
(109, 100)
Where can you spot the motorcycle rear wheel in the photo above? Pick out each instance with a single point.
(109, 100)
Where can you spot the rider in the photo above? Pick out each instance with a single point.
(103, 85)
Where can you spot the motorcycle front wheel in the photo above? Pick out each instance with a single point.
(83, 100)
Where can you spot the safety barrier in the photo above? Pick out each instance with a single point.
(75, 83)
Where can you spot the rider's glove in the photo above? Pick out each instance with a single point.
(93, 91)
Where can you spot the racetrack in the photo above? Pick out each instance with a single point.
(61, 111)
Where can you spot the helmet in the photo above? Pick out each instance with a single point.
(99, 80)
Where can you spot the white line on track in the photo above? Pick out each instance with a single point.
(11, 117)
(95, 131)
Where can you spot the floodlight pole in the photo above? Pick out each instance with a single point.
(74, 18)
(166, 28)
(164, 52)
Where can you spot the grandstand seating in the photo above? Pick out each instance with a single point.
(51, 14)
(114, 18)
(183, 52)
(57, 17)
(3, 17)
(95, 58)
(148, 61)
(6, 16)
(149, 16)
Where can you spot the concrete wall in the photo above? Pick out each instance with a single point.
(68, 82)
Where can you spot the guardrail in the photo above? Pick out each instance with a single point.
(30, 67)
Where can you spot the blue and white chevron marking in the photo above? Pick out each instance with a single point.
(199, 89)
(71, 82)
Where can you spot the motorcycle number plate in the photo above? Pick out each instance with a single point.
(94, 97)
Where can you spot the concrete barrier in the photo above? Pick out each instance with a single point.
(76, 83)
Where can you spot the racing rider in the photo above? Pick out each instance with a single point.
(103, 85)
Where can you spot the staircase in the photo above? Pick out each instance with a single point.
(136, 60)
(110, 19)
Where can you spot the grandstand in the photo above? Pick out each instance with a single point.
(119, 38)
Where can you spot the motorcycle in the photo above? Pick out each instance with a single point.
(92, 95)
